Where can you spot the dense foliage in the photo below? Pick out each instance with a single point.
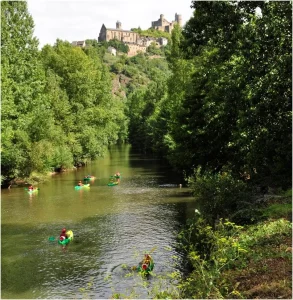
(237, 113)
(57, 105)
(118, 45)
(230, 261)
(228, 101)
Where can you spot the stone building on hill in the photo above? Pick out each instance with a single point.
(134, 41)
(126, 36)
(164, 25)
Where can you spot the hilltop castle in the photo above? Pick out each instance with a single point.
(164, 25)
(134, 41)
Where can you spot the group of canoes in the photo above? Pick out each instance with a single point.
(86, 183)
(66, 236)
(113, 180)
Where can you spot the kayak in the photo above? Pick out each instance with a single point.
(78, 187)
(69, 235)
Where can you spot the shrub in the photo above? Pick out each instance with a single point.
(117, 68)
(278, 210)
(266, 233)
(210, 252)
(222, 196)
(130, 71)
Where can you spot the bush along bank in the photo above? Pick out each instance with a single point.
(249, 256)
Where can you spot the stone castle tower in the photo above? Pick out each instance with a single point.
(164, 25)
(118, 25)
(178, 19)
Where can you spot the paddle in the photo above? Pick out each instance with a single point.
(26, 189)
(152, 250)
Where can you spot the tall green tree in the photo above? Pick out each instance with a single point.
(236, 111)
(92, 116)
(22, 84)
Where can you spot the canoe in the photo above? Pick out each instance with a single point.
(89, 178)
(149, 268)
(78, 187)
(69, 235)
(33, 191)
(113, 183)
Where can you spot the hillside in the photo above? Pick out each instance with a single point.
(131, 73)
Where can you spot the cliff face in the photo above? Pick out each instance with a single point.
(119, 84)
(131, 73)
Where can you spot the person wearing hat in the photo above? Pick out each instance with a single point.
(147, 259)
(63, 235)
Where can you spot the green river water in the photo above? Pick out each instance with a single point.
(113, 226)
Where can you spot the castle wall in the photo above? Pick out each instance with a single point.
(163, 25)
(121, 35)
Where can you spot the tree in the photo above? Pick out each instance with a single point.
(22, 87)
(238, 97)
(93, 118)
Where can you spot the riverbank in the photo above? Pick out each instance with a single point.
(34, 179)
(241, 262)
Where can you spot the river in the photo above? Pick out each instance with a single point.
(113, 228)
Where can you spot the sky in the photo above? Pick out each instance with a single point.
(82, 19)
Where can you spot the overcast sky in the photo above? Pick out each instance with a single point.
(79, 20)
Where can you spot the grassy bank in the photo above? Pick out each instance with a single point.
(241, 262)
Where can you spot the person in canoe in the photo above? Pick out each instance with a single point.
(80, 183)
(63, 235)
(117, 176)
(147, 260)
(31, 188)
(88, 178)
